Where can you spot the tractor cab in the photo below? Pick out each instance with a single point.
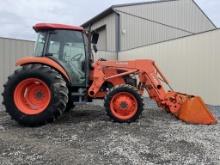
(46, 86)
(68, 46)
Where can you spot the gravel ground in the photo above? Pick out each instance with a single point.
(87, 136)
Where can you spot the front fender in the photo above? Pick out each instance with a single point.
(45, 61)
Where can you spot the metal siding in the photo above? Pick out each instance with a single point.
(10, 51)
(190, 63)
(109, 22)
(183, 14)
(102, 42)
(136, 32)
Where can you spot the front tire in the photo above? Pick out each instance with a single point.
(123, 103)
(35, 95)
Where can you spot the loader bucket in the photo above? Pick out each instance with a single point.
(194, 111)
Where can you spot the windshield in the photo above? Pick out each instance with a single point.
(66, 46)
(60, 42)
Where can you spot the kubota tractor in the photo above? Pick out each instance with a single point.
(63, 72)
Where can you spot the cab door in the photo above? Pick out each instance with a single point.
(68, 48)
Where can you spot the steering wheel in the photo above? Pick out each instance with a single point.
(77, 57)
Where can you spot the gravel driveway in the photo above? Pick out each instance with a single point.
(87, 136)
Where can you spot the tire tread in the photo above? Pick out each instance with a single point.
(127, 88)
(58, 88)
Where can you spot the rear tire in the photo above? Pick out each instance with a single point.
(69, 106)
(123, 103)
(46, 85)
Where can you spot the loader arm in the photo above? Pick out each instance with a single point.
(186, 107)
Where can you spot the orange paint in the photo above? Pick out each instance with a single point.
(123, 105)
(32, 96)
(42, 60)
(194, 111)
(150, 78)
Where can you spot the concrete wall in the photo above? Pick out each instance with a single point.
(10, 51)
(192, 64)
(150, 23)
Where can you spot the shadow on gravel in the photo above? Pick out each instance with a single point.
(86, 135)
(83, 115)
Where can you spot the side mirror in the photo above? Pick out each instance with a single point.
(95, 38)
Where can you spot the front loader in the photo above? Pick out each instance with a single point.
(63, 72)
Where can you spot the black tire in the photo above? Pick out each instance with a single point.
(128, 89)
(56, 85)
(69, 106)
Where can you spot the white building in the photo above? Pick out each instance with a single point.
(10, 51)
(129, 26)
(175, 33)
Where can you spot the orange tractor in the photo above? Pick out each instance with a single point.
(63, 73)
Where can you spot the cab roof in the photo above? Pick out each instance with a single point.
(55, 26)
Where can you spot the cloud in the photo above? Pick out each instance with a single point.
(18, 16)
(211, 8)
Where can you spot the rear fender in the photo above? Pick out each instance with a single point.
(45, 61)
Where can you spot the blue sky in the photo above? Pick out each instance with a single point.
(18, 16)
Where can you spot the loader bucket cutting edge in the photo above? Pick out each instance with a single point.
(194, 111)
